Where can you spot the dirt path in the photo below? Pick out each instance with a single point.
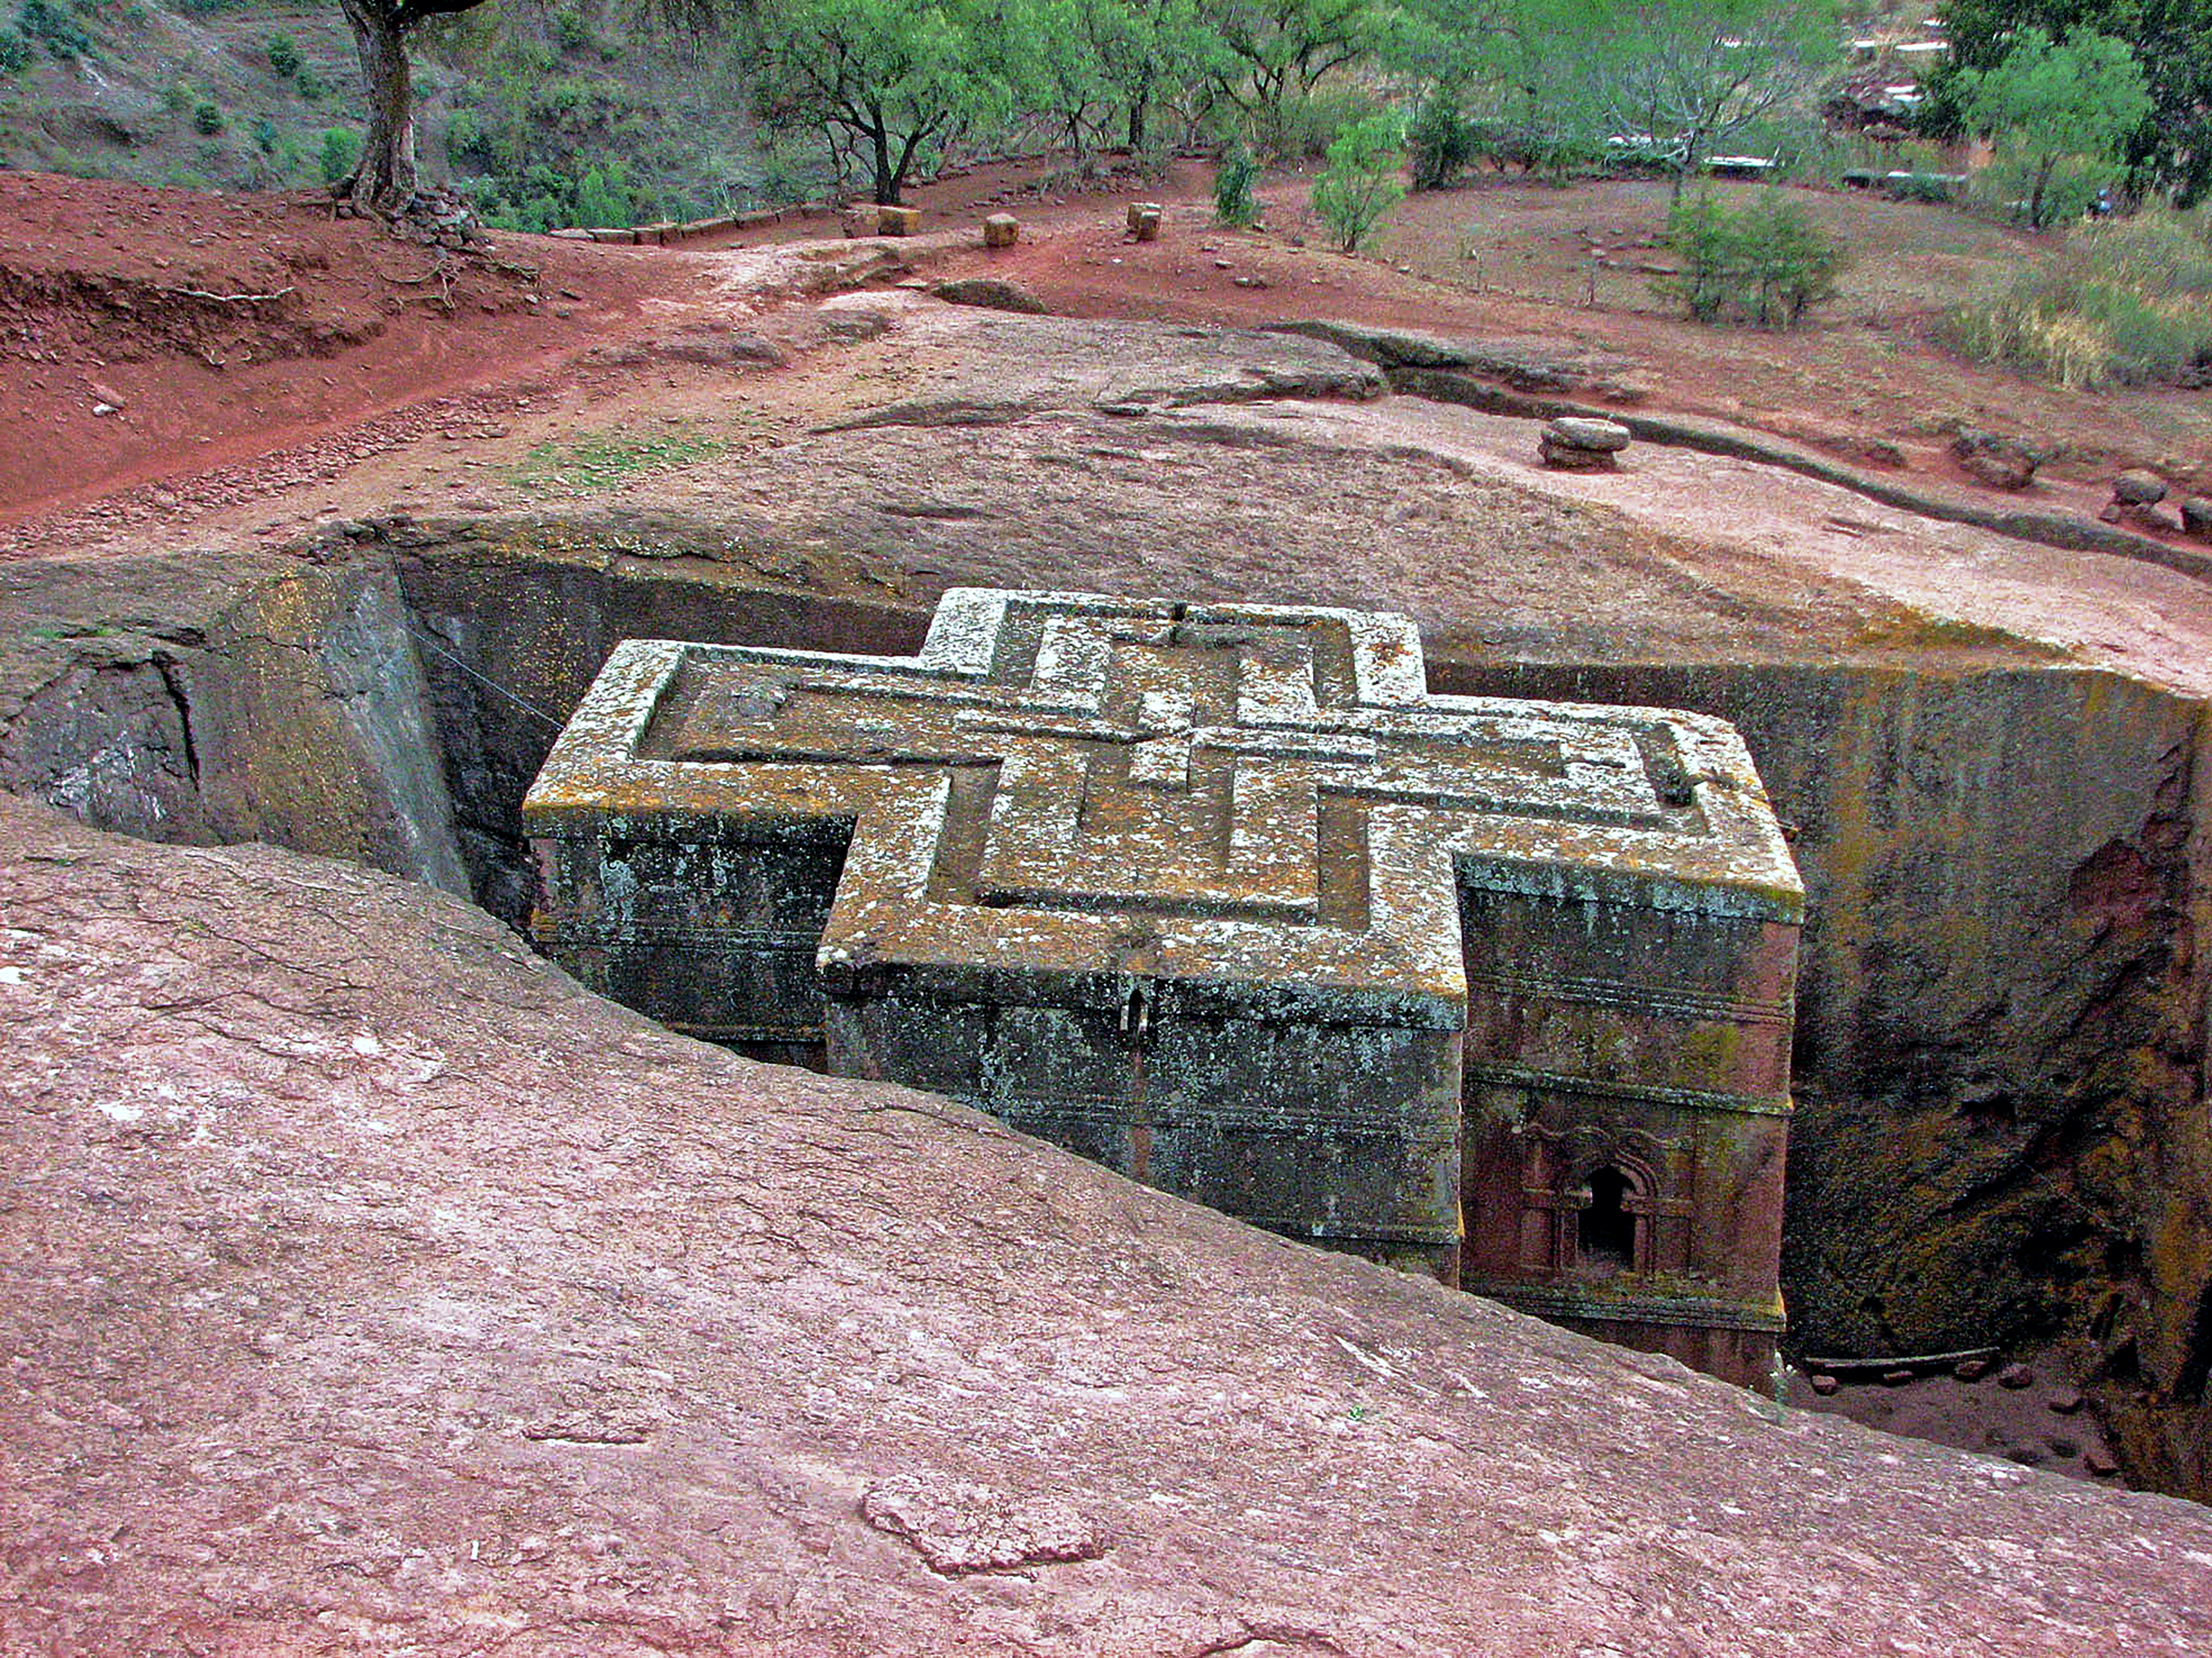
(188, 365)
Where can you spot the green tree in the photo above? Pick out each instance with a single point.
(2171, 40)
(2046, 102)
(885, 78)
(1362, 182)
(1262, 53)
(1685, 77)
(385, 179)
(1442, 139)
(1144, 51)
(1765, 261)
(340, 156)
(603, 196)
(1232, 187)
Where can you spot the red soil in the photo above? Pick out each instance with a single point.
(141, 299)
(122, 295)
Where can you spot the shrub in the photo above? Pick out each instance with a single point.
(2128, 301)
(265, 135)
(207, 118)
(1764, 262)
(603, 196)
(464, 140)
(341, 152)
(1232, 187)
(780, 184)
(53, 23)
(2040, 195)
(570, 29)
(14, 53)
(1362, 183)
(311, 86)
(284, 54)
(1442, 142)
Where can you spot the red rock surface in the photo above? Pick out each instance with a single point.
(367, 1287)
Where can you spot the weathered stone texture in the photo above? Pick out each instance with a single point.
(1222, 896)
(277, 702)
(365, 1286)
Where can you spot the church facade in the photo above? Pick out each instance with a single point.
(1222, 896)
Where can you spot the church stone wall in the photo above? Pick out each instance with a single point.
(1222, 896)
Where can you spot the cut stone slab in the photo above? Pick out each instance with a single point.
(898, 221)
(2138, 488)
(1184, 888)
(1001, 230)
(991, 292)
(1574, 443)
(1610, 437)
(1145, 221)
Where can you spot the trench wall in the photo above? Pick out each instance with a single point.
(2002, 1125)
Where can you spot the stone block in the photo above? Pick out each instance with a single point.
(1610, 437)
(1222, 896)
(898, 221)
(1145, 221)
(1563, 457)
(2138, 488)
(2197, 517)
(1001, 230)
(2000, 462)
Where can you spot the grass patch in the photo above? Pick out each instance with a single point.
(2128, 303)
(605, 461)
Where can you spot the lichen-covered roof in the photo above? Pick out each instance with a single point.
(1246, 794)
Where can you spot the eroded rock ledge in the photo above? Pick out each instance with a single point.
(365, 1286)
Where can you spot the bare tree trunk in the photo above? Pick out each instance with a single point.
(887, 180)
(385, 180)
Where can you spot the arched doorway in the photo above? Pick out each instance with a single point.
(1605, 1231)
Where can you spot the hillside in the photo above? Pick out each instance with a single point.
(546, 116)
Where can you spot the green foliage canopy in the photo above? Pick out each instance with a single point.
(2171, 40)
(1361, 184)
(1685, 77)
(2044, 102)
(1261, 54)
(884, 78)
(1764, 262)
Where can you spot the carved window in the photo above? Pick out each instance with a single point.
(1608, 1230)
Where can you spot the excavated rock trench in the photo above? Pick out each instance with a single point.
(1998, 1141)
(2001, 1139)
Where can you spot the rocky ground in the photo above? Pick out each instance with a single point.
(368, 1287)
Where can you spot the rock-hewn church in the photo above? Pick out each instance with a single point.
(1222, 896)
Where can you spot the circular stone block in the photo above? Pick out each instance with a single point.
(1606, 437)
(2136, 488)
